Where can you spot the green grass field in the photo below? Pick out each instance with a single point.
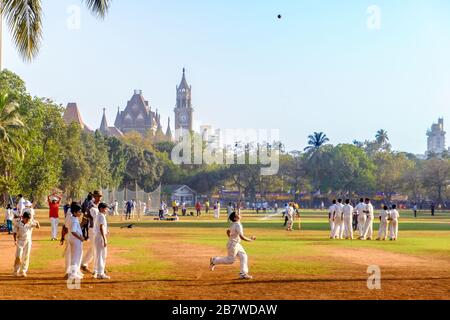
(160, 258)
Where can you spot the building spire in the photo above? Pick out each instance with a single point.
(169, 131)
(104, 124)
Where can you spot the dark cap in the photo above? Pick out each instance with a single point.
(75, 207)
(97, 194)
(102, 206)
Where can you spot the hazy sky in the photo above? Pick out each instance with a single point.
(319, 68)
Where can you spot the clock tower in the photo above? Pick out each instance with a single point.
(183, 110)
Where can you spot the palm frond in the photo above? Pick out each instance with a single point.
(24, 19)
(98, 7)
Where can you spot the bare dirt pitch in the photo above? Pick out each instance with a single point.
(169, 266)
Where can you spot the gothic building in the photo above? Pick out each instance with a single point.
(138, 116)
(436, 138)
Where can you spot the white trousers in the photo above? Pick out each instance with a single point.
(234, 250)
(331, 228)
(393, 229)
(338, 228)
(100, 256)
(348, 227)
(67, 254)
(383, 230)
(216, 214)
(54, 222)
(361, 224)
(76, 252)
(368, 228)
(22, 260)
(290, 223)
(89, 249)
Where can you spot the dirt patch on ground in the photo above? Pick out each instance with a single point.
(367, 257)
(406, 277)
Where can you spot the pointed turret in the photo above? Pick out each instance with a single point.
(104, 124)
(169, 131)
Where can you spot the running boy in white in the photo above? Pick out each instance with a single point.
(235, 249)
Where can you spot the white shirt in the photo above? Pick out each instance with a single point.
(331, 211)
(24, 231)
(369, 207)
(100, 220)
(338, 210)
(74, 227)
(384, 215)
(236, 231)
(21, 204)
(395, 215)
(360, 208)
(347, 209)
(290, 213)
(9, 215)
(94, 213)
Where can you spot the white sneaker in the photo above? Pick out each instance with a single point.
(75, 277)
(16, 274)
(23, 275)
(212, 266)
(103, 277)
(245, 277)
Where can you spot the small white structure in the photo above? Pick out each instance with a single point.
(181, 193)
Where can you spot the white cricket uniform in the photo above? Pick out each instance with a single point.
(338, 221)
(290, 216)
(21, 205)
(368, 226)
(23, 235)
(394, 224)
(360, 207)
(101, 251)
(90, 247)
(116, 208)
(384, 220)
(217, 211)
(76, 247)
(235, 249)
(348, 221)
(330, 219)
(67, 250)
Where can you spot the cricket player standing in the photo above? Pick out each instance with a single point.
(76, 242)
(100, 242)
(22, 240)
(234, 247)
(290, 216)
(384, 219)
(331, 218)
(368, 226)
(347, 211)
(90, 254)
(338, 220)
(360, 207)
(394, 223)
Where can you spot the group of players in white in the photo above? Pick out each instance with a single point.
(340, 217)
(72, 236)
(341, 221)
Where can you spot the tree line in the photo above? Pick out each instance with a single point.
(40, 153)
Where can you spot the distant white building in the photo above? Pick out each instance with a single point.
(436, 138)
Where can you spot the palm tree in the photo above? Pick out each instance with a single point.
(24, 19)
(382, 137)
(10, 125)
(316, 141)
